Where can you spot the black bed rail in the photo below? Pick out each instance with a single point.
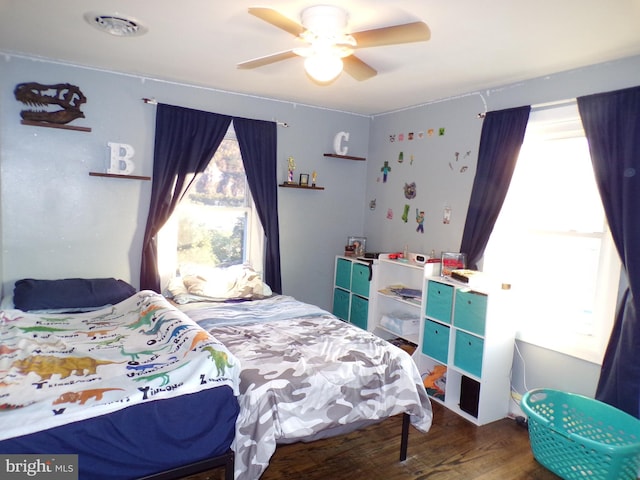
(404, 439)
(225, 460)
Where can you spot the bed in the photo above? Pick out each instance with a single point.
(307, 375)
(146, 388)
(133, 387)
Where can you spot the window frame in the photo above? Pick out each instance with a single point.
(588, 346)
(253, 241)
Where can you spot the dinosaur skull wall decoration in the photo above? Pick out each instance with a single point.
(45, 99)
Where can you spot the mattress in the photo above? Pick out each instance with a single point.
(133, 389)
(306, 375)
(142, 439)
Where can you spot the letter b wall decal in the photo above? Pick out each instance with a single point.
(121, 154)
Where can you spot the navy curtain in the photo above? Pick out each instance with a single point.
(612, 126)
(258, 146)
(500, 142)
(184, 144)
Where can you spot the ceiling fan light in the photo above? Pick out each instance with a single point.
(323, 67)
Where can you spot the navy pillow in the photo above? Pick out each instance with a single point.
(72, 293)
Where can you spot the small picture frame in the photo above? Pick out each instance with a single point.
(304, 179)
(359, 245)
(452, 261)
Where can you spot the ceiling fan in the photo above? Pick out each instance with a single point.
(328, 46)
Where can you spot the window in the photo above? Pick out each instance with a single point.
(215, 224)
(552, 243)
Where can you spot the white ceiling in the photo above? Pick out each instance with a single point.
(475, 44)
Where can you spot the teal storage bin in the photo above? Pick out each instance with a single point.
(577, 437)
(343, 273)
(470, 311)
(468, 353)
(359, 311)
(360, 279)
(341, 303)
(439, 301)
(435, 341)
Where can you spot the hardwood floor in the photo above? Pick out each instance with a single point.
(453, 449)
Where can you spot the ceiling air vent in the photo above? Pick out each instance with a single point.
(115, 24)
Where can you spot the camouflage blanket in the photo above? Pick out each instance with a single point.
(306, 375)
(61, 368)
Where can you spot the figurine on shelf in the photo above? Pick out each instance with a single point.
(314, 175)
(291, 166)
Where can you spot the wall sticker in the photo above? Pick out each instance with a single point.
(446, 215)
(420, 220)
(385, 170)
(405, 214)
(410, 190)
(460, 166)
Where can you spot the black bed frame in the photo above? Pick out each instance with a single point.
(404, 439)
(226, 460)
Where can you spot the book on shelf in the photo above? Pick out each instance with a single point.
(473, 278)
(464, 275)
(413, 295)
(408, 293)
(435, 381)
(404, 344)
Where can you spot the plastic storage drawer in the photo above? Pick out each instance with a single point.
(359, 311)
(435, 341)
(341, 303)
(439, 301)
(343, 273)
(468, 353)
(360, 279)
(470, 311)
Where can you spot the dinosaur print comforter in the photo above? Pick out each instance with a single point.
(307, 375)
(61, 368)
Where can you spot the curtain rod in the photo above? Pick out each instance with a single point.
(153, 101)
(556, 104)
(544, 106)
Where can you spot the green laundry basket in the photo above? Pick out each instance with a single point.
(577, 437)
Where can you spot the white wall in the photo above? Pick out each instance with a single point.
(438, 177)
(439, 185)
(57, 221)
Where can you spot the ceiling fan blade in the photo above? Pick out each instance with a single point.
(276, 19)
(406, 33)
(266, 60)
(357, 68)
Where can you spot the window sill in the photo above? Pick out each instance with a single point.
(582, 347)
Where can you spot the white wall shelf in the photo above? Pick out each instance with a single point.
(383, 302)
(469, 332)
(465, 337)
(352, 289)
